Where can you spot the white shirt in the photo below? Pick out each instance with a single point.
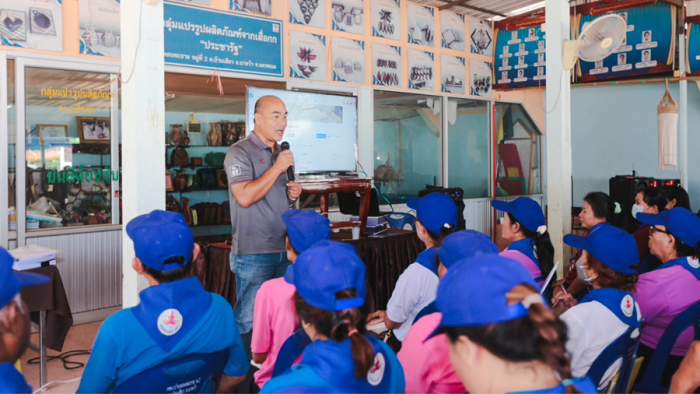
(415, 289)
(592, 327)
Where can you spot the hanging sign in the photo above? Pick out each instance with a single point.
(205, 38)
(519, 57)
(648, 48)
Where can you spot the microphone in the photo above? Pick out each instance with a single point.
(290, 171)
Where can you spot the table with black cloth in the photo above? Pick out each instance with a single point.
(385, 257)
(49, 308)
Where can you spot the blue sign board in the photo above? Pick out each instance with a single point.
(693, 48)
(519, 58)
(205, 38)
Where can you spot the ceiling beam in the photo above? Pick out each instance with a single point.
(451, 4)
(462, 3)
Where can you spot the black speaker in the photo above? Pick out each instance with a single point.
(623, 190)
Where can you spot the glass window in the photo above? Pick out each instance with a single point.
(407, 144)
(468, 146)
(68, 139)
(518, 152)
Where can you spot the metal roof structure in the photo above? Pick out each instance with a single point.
(483, 9)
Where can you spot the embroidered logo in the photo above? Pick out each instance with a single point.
(627, 305)
(234, 170)
(693, 262)
(376, 373)
(169, 322)
(262, 161)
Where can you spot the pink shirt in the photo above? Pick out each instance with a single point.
(274, 320)
(527, 262)
(662, 295)
(426, 366)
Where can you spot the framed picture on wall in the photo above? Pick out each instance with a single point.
(52, 132)
(93, 130)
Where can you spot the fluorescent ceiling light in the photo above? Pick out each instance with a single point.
(531, 7)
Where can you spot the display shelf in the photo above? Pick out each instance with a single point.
(193, 191)
(198, 146)
(188, 167)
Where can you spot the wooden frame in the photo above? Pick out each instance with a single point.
(94, 130)
(52, 131)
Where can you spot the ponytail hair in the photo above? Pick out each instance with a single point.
(539, 336)
(444, 232)
(543, 247)
(339, 326)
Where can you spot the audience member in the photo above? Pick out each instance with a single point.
(650, 201)
(676, 197)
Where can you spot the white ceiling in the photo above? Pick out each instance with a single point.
(477, 8)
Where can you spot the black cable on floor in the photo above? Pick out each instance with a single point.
(67, 364)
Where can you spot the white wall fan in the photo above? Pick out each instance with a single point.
(598, 40)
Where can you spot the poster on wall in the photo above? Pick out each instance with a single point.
(307, 56)
(453, 74)
(520, 57)
(648, 48)
(100, 28)
(308, 12)
(481, 36)
(386, 19)
(452, 26)
(421, 24)
(481, 84)
(692, 65)
(36, 24)
(348, 15)
(262, 7)
(202, 37)
(386, 65)
(421, 74)
(348, 60)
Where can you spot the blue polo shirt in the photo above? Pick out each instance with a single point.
(11, 381)
(127, 344)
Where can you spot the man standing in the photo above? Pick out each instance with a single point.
(260, 193)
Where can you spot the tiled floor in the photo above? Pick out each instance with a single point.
(79, 338)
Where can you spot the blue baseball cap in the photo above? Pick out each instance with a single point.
(305, 228)
(611, 246)
(473, 292)
(463, 244)
(680, 222)
(159, 236)
(11, 282)
(526, 210)
(435, 211)
(325, 269)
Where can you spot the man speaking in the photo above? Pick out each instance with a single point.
(260, 193)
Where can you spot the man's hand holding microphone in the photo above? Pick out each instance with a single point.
(285, 164)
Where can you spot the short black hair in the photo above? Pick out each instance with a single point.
(654, 197)
(170, 275)
(602, 205)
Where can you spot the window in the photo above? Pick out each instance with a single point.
(468, 150)
(68, 148)
(518, 160)
(407, 144)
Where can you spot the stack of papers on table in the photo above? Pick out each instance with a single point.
(32, 256)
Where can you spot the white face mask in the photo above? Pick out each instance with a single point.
(636, 209)
(582, 274)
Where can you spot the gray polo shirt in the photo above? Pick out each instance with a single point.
(257, 229)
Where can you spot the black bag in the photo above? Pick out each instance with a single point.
(457, 195)
(179, 157)
(207, 179)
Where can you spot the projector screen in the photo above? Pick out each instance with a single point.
(321, 128)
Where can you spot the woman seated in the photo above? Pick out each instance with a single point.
(501, 336)
(330, 291)
(650, 201)
(608, 263)
(524, 226)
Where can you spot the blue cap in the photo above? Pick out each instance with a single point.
(305, 228)
(435, 211)
(11, 282)
(325, 269)
(611, 246)
(526, 210)
(159, 236)
(463, 244)
(680, 222)
(473, 292)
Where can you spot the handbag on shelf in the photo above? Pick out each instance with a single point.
(171, 204)
(196, 161)
(177, 136)
(186, 212)
(221, 179)
(179, 157)
(207, 179)
(215, 159)
(214, 134)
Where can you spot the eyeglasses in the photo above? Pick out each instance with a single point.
(653, 230)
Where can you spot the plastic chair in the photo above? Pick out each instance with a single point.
(651, 382)
(427, 310)
(194, 373)
(291, 349)
(625, 347)
(399, 220)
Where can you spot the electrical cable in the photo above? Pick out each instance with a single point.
(136, 52)
(362, 170)
(55, 381)
(67, 364)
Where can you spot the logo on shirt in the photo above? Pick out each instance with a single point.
(376, 373)
(627, 305)
(693, 262)
(234, 170)
(169, 322)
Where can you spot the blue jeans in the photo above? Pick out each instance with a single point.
(251, 272)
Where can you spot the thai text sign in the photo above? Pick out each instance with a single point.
(212, 39)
